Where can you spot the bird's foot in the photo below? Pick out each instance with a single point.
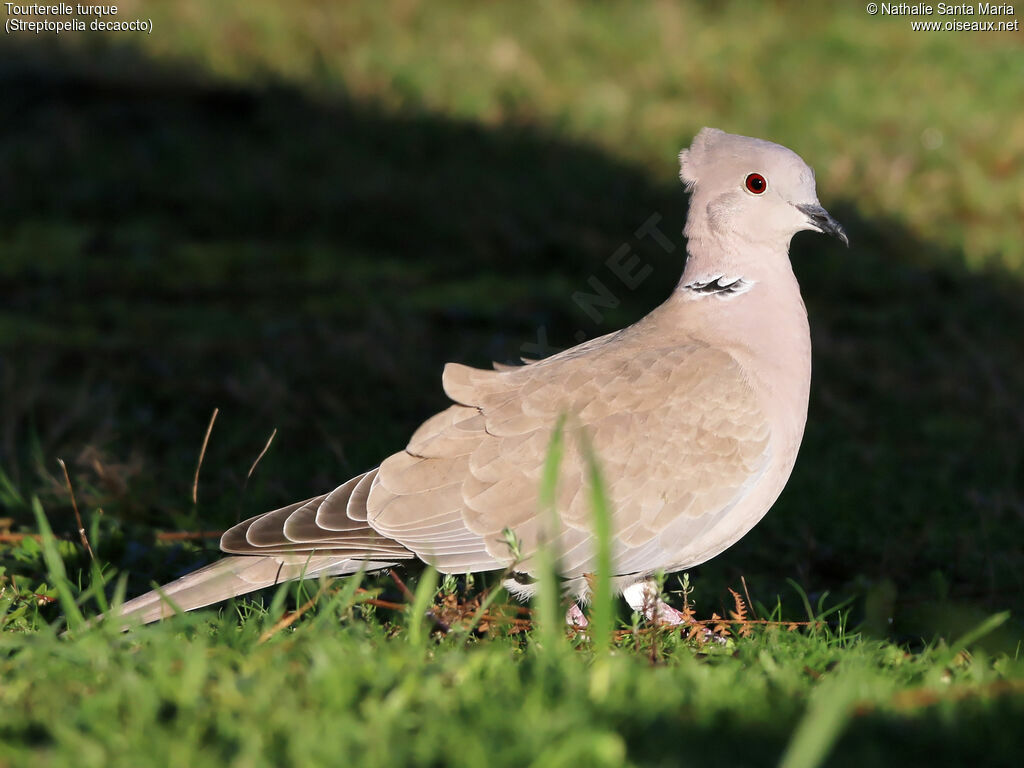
(645, 598)
(647, 602)
(575, 617)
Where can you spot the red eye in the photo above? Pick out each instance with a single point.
(756, 183)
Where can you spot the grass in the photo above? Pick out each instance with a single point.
(296, 214)
(255, 688)
(338, 688)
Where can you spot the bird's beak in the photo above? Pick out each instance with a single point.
(822, 221)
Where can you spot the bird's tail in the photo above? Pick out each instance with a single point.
(234, 576)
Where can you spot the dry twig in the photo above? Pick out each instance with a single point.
(401, 585)
(15, 538)
(262, 453)
(290, 618)
(78, 516)
(202, 453)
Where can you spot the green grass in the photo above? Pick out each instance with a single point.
(341, 687)
(298, 212)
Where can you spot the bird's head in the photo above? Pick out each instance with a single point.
(750, 189)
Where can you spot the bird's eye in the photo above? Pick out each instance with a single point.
(756, 183)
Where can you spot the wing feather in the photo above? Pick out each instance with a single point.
(677, 430)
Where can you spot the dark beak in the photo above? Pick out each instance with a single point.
(822, 221)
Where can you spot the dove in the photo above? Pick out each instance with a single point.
(695, 414)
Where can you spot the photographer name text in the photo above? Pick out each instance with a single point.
(944, 9)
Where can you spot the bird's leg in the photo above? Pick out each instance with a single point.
(575, 617)
(644, 598)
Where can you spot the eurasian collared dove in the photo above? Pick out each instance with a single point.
(696, 413)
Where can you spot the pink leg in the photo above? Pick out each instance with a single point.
(643, 598)
(575, 617)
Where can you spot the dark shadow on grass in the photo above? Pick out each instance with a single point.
(173, 244)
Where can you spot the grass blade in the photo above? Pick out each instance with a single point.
(603, 601)
(828, 712)
(803, 597)
(9, 495)
(425, 591)
(56, 572)
(341, 600)
(276, 608)
(546, 600)
(986, 627)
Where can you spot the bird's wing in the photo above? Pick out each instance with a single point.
(322, 525)
(677, 430)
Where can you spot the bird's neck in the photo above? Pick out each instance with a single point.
(744, 297)
(713, 251)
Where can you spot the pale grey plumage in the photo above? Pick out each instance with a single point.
(696, 413)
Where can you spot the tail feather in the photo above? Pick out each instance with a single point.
(234, 576)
